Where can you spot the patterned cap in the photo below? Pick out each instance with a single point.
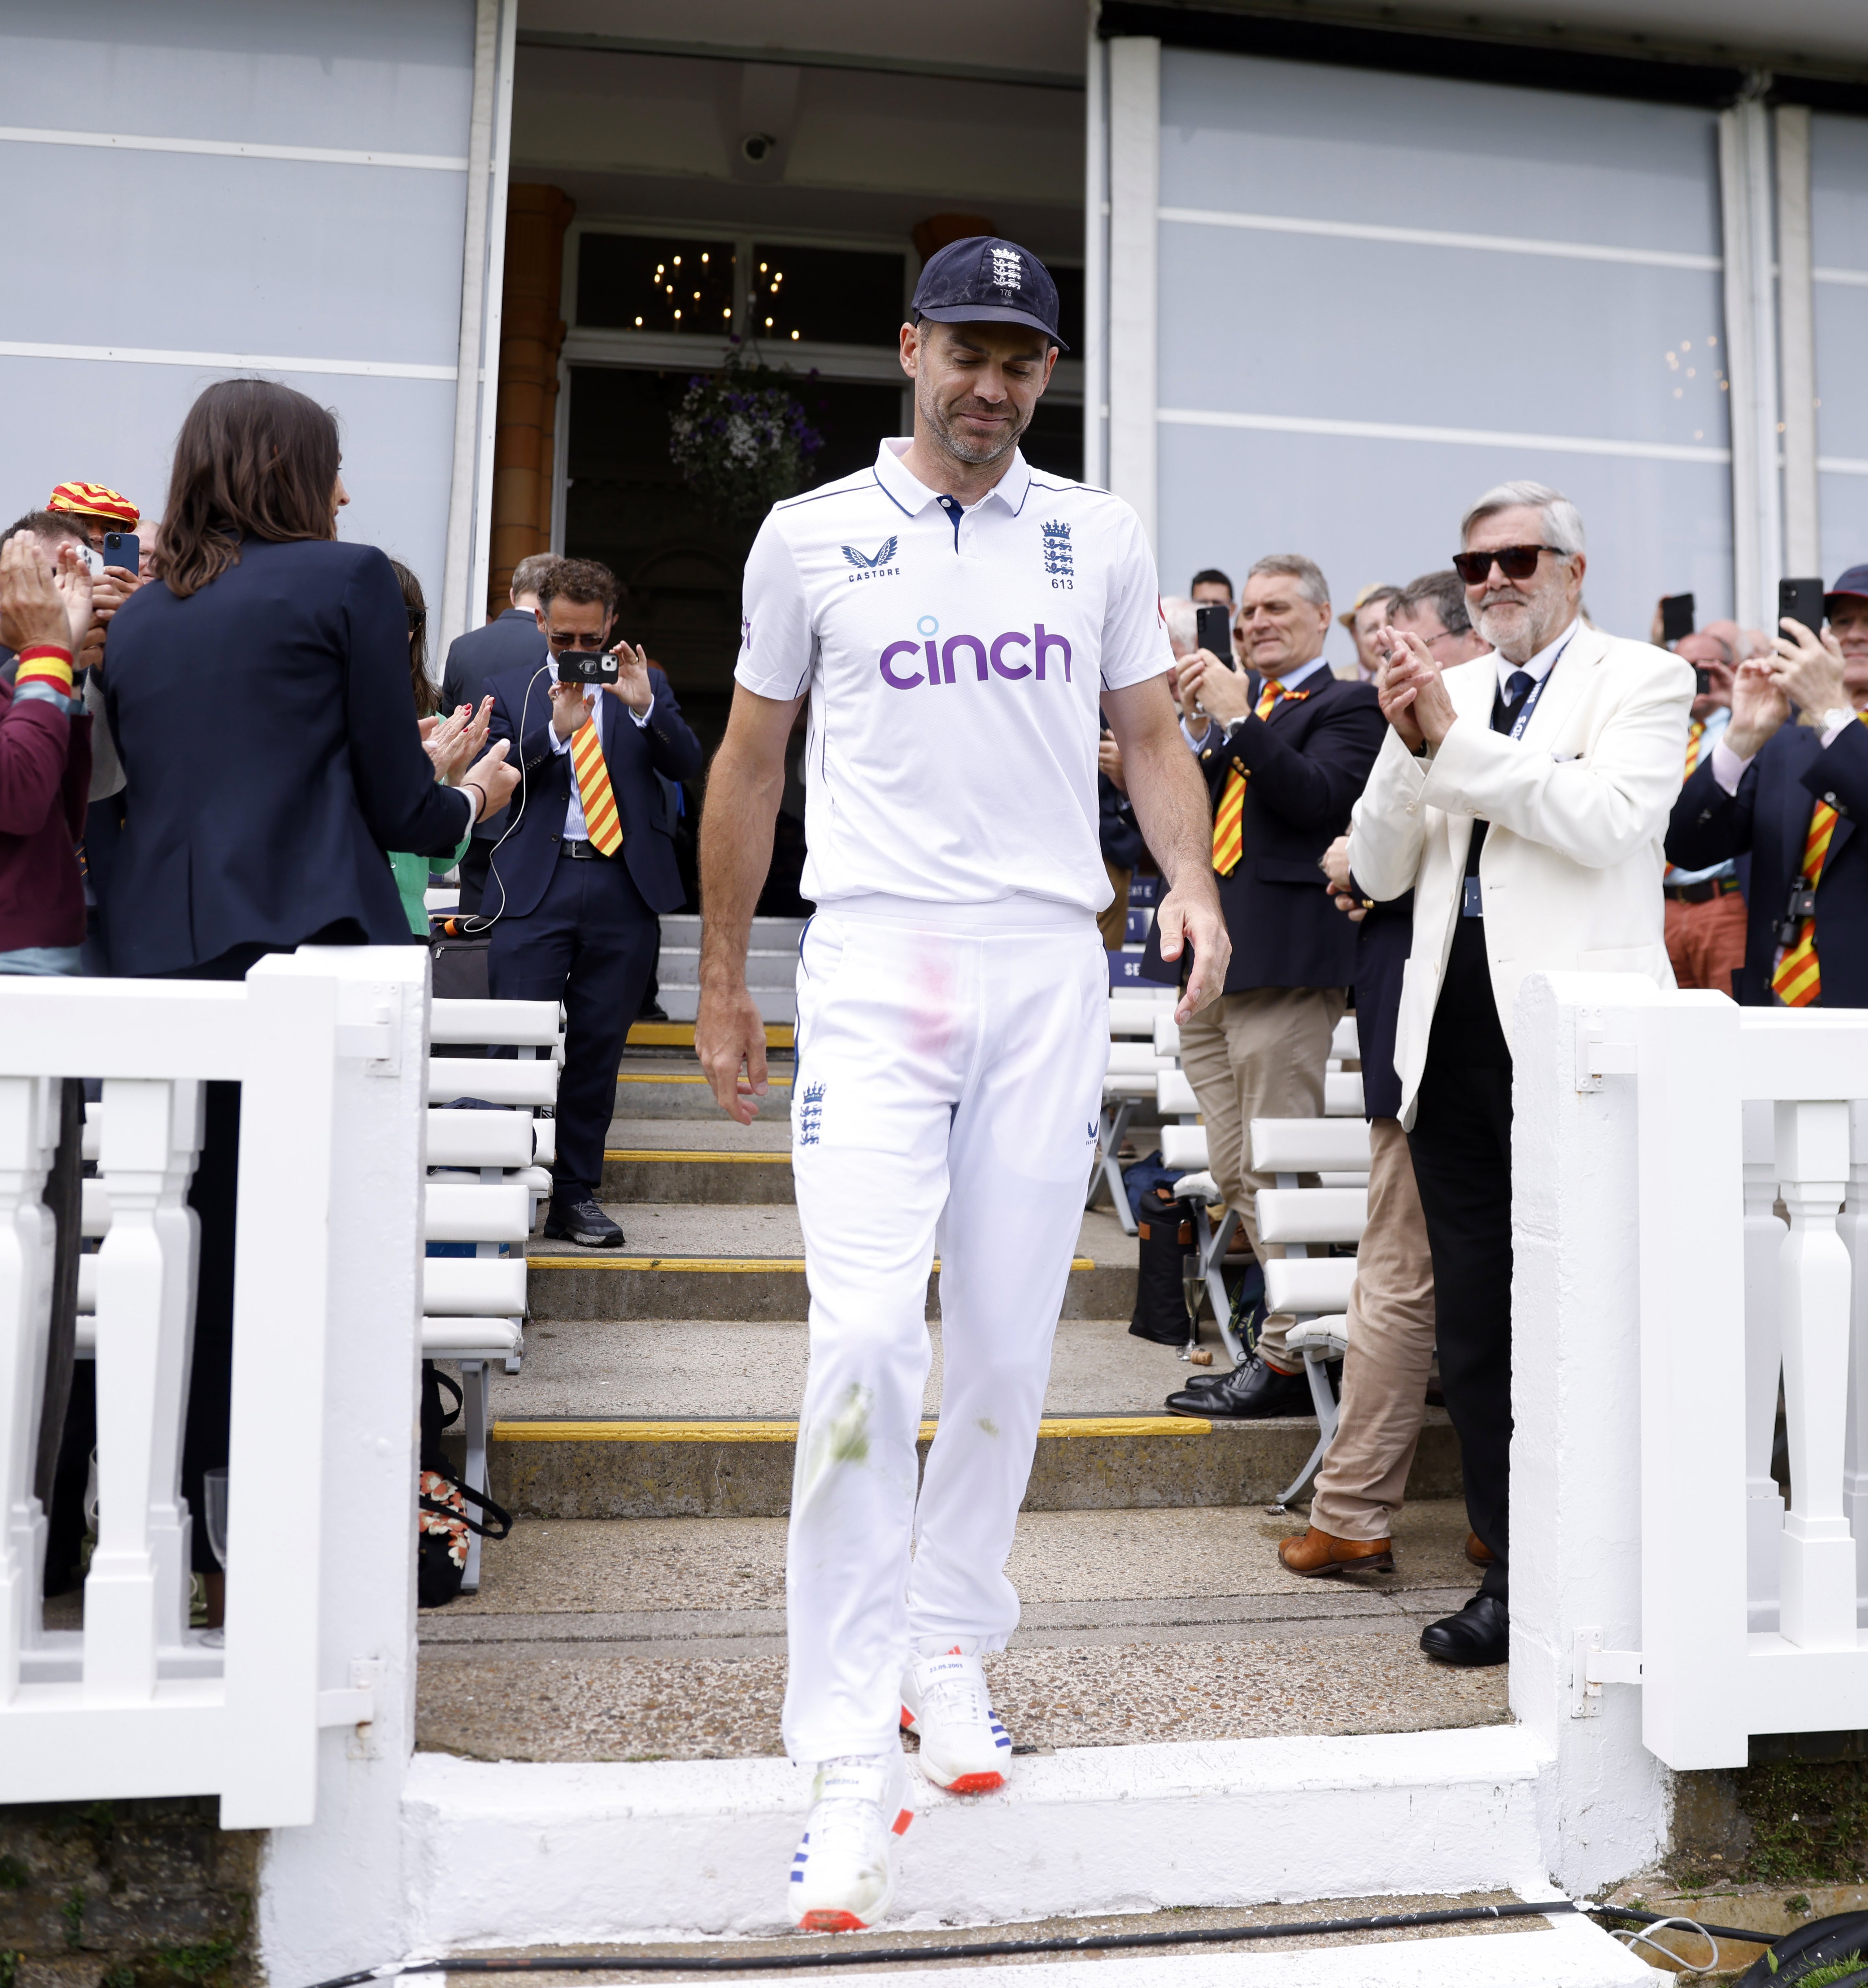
(93, 500)
(987, 277)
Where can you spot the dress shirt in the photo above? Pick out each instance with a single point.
(576, 828)
(1303, 671)
(1728, 769)
(1537, 668)
(1712, 741)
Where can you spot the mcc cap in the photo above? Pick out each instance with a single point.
(986, 279)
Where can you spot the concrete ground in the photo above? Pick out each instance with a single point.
(585, 1641)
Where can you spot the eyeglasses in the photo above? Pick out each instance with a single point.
(561, 643)
(1515, 562)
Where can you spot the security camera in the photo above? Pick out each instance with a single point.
(757, 146)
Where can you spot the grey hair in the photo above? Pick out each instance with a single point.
(529, 575)
(1308, 574)
(1562, 523)
(1183, 623)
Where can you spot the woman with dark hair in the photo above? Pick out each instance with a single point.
(259, 695)
(452, 743)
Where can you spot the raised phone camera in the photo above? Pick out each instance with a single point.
(587, 666)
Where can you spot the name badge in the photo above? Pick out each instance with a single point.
(1470, 906)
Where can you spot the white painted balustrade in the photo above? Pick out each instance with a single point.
(315, 1676)
(1690, 1184)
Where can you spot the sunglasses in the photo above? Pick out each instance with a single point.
(559, 644)
(1515, 562)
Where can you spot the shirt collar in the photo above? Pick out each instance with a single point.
(1540, 665)
(915, 496)
(1291, 678)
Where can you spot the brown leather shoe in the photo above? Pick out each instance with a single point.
(1318, 1552)
(1477, 1551)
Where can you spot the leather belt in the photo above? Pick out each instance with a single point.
(1702, 893)
(580, 852)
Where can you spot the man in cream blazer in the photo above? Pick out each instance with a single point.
(1522, 797)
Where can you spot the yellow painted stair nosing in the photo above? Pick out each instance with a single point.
(731, 1159)
(765, 1263)
(680, 1035)
(787, 1432)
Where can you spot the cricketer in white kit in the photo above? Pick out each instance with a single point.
(955, 619)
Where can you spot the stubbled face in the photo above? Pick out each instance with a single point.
(1520, 617)
(976, 386)
(1278, 630)
(1848, 624)
(569, 625)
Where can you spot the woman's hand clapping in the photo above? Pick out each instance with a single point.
(453, 743)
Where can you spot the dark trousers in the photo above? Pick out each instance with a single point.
(591, 944)
(1461, 1148)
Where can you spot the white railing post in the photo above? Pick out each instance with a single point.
(1819, 1577)
(1764, 1233)
(1853, 1228)
(133, 1597)
(27, 1127)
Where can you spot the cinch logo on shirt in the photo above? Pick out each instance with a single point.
(989, 658)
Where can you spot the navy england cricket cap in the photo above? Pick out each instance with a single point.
(985, 278)
(1853, 584)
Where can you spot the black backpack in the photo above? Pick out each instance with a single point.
(442, 1522)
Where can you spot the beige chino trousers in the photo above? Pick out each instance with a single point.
(1360, 1488)
(1260, 1054)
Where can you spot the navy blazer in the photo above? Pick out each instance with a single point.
(634, 755)
(267, 728)
(1383, 940)
(513, 641)
(1307, 763)
(1769, 818)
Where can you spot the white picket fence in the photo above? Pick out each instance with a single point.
(328, 1045)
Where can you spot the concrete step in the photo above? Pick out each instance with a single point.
(778, 1005)
(746, 1261)
(683, 929)
(1558, 1950)
(669, 1085)
(651, 1418)
(704, 1845)
(694, 1160)
(774, 966)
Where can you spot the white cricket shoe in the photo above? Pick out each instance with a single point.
(843, 1872)
(945, 1699)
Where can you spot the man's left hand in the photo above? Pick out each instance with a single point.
(1807, 669)
(1193, 918)
(1411, 667)
(632, 685)
(36, 609)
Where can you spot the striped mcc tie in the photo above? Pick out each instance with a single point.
(1696, 733)
(1229, 816)
(601, 822)
(1799, 979)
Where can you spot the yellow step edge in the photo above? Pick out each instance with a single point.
(594, 1261)
(787, 1432)
(684, 1076)
(731, 1159)
(680, 1035)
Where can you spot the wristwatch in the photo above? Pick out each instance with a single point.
(1838, 716)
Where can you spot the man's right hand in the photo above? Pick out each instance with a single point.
(569, 712)
(1759, 705)
(729, 1037)
(1396, 695)
(491, 781)
(35, 610)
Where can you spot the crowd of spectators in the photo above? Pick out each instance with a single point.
(1687, 815)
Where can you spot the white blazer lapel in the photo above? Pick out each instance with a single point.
(1563, 689)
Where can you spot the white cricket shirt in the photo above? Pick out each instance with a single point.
(954, 659)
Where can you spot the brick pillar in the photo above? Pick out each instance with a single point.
(531, 336)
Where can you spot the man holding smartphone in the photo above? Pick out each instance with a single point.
(1789, 795)
(585, 862)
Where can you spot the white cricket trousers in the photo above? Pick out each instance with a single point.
(949, 1079)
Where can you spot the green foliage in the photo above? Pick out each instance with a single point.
(72, 1912)
(9, 1968)
(123, 1976)
(739, 438)
(1809, 1821)
(205, 1966)
(14, 1877)
(1828, 1973)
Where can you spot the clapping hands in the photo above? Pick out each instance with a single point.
(453, 743)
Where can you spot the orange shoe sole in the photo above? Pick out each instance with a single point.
(975, 1784)
(831, 1921)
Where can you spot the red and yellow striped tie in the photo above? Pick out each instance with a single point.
(1696, 733)
(601, 822)
(1228, 817)
(1799, 979)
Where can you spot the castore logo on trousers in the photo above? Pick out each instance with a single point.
(1040, 647)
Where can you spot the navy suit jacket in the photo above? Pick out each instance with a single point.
(634, 755)
(1384, 941)
(514, 640)
(1307, 763)
(1769, 818)
(267, 728)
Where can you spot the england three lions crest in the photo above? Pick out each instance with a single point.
(1057, 561)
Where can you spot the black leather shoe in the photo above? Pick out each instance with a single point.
(1247, 1394)
(582, 1222)
(652, 1010)
(1479, 1635)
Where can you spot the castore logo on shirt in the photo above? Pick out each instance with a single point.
(1042, 645)
(877, 568)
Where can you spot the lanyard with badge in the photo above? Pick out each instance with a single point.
(1471, 905)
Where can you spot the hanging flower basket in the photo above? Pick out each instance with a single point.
(739, 438)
